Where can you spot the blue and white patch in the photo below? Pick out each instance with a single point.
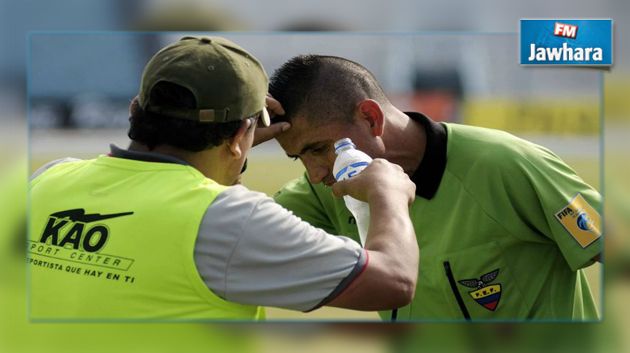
(566, 42)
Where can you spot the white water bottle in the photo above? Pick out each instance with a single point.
(350, 162)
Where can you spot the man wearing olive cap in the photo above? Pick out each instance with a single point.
(161, 230)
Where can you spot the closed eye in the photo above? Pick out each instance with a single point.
(293, 157)
(315, 149)
(319, 150)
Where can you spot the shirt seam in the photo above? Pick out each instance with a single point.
(51, 165)
(322, 208)
(583, 263)
(321, 204)
(228, 261)
(208, 294)
(482, 208)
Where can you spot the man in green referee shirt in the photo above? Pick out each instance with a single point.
(504, 226)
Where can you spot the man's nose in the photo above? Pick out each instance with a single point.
(316, 172)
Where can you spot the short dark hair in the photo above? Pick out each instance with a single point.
(153, 129)
(323, 87)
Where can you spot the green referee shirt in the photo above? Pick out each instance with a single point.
(503, 225)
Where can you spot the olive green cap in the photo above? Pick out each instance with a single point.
(228, 83)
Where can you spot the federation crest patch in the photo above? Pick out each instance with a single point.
(581, 220)
(485, 294)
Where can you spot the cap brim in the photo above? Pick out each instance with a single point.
(264, 118)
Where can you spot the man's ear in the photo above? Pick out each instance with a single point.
(234, 143)
(371, 111)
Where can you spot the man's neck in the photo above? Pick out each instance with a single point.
(203, 161)
(164, 149)
(405, 141)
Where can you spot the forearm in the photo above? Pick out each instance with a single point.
(389, 279)
(392, 239)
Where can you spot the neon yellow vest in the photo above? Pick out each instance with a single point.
(113, 238)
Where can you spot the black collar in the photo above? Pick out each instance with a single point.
(144, 156)
(431, 169)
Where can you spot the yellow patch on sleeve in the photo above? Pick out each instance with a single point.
(581, 220)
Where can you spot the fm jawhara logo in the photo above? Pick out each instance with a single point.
(566, 42)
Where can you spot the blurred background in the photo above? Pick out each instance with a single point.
(68, 70)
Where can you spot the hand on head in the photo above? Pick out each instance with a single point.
(262, 134)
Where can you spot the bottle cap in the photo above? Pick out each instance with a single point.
(343, 144)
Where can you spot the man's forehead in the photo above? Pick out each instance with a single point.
(304, 132)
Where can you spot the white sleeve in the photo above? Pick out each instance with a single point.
(251, 250)
(51, 164)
